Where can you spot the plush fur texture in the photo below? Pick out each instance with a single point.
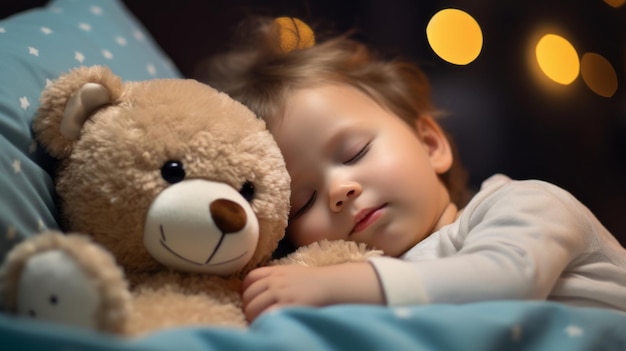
(127, 143)
(326, 253)
(122, 147)
(110, 174)
(99, 266)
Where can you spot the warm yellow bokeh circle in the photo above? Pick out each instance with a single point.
(455, 36)
(615, 3)
(598, 74)
(557, 58)
(294, 34)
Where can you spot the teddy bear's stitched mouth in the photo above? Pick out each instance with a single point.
(200, 264)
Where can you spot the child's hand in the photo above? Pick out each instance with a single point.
(274, 286)
(271, 287)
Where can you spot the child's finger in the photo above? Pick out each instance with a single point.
(253, 276)
(258, 305)
(252, 290)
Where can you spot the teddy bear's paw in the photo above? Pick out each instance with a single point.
(66, 279)
(54, 287)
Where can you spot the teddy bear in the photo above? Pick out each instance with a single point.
(178, 185)
(169, 193)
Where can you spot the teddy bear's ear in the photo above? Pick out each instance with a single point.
(68, 102)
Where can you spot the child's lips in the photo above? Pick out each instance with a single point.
(366, 217)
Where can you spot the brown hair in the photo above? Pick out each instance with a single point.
(259, 74)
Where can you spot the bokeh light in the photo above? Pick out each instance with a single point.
(615, 3)
(455, 36)
(598, 74)
(557, 58)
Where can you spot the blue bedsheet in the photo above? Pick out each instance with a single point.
(479, 326)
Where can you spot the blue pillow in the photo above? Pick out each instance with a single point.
(37, 46)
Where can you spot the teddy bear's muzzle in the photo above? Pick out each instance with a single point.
(201, 226)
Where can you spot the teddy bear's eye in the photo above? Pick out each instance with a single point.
(173, 171)
(247, 191)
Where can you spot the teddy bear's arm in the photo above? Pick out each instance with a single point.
(324, 253)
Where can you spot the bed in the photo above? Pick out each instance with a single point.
(39, 44)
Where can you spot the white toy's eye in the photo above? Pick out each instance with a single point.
(173, 171)
(247, 191)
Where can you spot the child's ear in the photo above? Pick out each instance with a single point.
(436, 143)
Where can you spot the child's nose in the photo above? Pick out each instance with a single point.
(341, 193)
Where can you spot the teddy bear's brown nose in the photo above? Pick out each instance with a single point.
(228, 215)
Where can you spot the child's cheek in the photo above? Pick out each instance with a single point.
(311, 228)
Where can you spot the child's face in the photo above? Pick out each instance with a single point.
(359, 172)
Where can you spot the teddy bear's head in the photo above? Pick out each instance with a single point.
(164, 172)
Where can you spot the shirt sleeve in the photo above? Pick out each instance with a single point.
(398, 280)
(514, 244)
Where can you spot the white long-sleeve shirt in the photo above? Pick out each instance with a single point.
(517, 240)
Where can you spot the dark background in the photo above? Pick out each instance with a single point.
(500, 118)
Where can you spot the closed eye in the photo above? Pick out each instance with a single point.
(359, 155)
(302, 210)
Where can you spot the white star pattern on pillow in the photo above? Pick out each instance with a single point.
(96, 10)
(402, 313)
(17, 166)
(85, 26)
(573, 331)
(78, 56)
(43, 44)
(24, 104)
(517, 330)
(138, 35)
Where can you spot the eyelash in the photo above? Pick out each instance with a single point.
(359, 155)
(304, 208)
